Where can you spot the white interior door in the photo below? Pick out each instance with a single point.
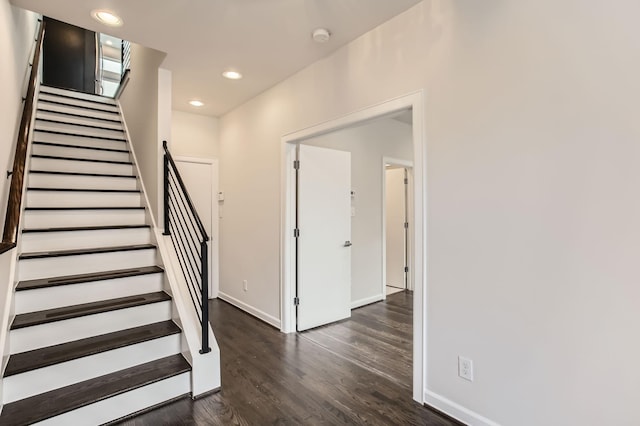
(200, 176)
(395, 213)
(323, 247)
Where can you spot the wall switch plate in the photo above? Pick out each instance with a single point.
(244, 285)
(465, 368)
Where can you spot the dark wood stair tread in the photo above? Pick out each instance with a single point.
(51, 355)
(59, 401)
(84, 228)
(50, 111)
(131, 191)
(84, 278)
(68, 312)
(44, 91)
(90, 160)
(89, 126)
(75, 252)
(58, 132)
(94, 148)
(51, 172)
(86, 208)
(71, 105)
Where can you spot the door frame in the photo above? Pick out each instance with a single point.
(415, 102)
(408, 165)
(214, 246)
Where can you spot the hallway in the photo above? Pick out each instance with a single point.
(354, 372)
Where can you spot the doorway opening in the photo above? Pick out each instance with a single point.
(397, 221)
(408, 106)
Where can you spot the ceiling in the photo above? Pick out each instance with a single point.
(266, 40)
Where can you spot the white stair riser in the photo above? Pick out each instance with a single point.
(78, 130)
(72, 119)
(70, 109)
(126, 403)
(83, 199)
(78, 141)
(53, 165)
(76, 102)
(31, 269)
(94, 291)
(63, 218)
(93, 154)
(54, 333)
(44, 180)
(56, 376)
(77, 95)
(69, 240)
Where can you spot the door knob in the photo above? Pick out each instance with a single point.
(347, 244)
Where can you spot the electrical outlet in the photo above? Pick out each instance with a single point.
(244, 285)
(465, 368)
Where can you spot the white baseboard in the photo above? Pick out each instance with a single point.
(366, 301)
(250, 309)
(456, 411)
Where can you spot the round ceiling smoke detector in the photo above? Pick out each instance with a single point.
(321, 35)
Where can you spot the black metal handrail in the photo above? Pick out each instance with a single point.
(190, 240)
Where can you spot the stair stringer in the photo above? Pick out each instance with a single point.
(205, 374)
(205, 367)
(9, 260)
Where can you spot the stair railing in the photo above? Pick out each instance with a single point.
(14, 203)
(190, 240)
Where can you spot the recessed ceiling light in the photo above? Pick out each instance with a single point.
(107, 17)
(196, 103)
(232, 75)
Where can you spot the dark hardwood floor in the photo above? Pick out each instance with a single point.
(377, 337)
(357, 371)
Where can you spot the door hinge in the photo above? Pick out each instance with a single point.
(406, 269)
(296, 164)
(296, 301)
(406, 181)
(296, 233)
(406, 225)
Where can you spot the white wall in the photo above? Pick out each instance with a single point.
(17, 34)
(142, 103)
(533, 231)
(367, 143)
(194, 135)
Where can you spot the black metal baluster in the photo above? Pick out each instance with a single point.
(205, 297)
(187, 232)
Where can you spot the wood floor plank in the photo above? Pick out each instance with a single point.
(288, 379)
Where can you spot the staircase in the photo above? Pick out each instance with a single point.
(93, 338)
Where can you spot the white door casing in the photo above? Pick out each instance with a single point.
(200, 176)
(324, 223)
(418, 230)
